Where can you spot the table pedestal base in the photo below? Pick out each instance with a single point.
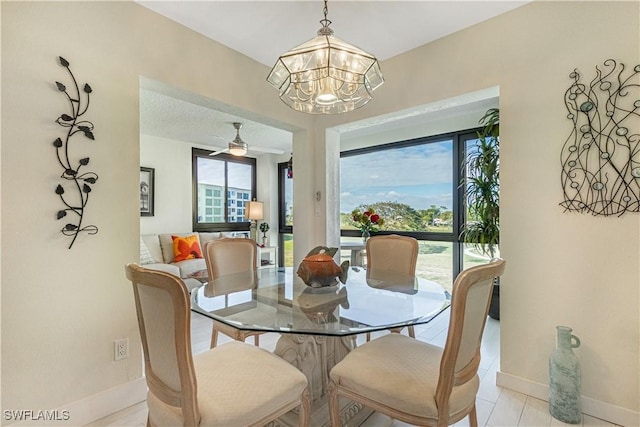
(351, 414)
(314, 356)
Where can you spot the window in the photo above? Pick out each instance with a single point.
(285, 216)
(214, 177)
(414, 186)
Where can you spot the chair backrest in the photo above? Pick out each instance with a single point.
(392, 253)
(470, 300)
(230, 255)
(162, 305)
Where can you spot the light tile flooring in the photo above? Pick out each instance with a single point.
(495, 405)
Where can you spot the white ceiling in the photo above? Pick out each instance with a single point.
(264, 29)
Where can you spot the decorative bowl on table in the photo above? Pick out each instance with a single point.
(318, 269)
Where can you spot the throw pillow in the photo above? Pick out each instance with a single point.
(145, 255)
(186, 247)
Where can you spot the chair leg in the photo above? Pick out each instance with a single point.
(368, 336)
(473, 417)
(257, 340)
(412, 332)
(334, 407)
(305, 408)
(214, 337)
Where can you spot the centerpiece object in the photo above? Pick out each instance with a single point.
(366, 222)
(318, 269)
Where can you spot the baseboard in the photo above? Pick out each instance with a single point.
(595, 408)
(89, 409)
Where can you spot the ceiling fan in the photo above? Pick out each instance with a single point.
(238, 147)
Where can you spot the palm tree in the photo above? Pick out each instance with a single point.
(482, 187)
(482, 195)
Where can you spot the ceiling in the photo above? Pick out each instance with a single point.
(263, 30)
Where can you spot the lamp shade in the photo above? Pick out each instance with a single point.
(238, 150)
(255, 210)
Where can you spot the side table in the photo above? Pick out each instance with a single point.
(267, 256)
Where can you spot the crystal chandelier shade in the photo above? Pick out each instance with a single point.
(326, 75)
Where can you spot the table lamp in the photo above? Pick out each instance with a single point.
(254, 213)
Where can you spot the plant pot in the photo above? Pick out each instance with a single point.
(494, 306)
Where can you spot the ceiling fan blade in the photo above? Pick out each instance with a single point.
(215, 153)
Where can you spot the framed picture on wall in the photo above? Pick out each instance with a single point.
(147, 191)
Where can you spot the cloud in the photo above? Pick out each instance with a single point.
(414, 165)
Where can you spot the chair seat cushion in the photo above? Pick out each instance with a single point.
(238, 385)
(402, 373)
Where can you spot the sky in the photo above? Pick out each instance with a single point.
(419, 176)
(212, 172)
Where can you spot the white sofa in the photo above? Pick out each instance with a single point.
(160, 249)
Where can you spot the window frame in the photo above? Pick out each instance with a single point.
(459, 139)
(227, 158)
(283, 228)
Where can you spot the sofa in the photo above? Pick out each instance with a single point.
(156, 253)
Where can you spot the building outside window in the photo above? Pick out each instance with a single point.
(213, 178)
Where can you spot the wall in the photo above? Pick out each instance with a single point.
(171, 160)
(562, 268)
(62, 309)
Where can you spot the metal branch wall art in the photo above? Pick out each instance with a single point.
(77, 198)
(601, 157)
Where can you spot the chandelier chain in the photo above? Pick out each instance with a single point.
(325, 30)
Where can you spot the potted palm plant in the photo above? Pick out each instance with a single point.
(482, 194)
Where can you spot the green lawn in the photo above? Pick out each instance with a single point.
(435, 260)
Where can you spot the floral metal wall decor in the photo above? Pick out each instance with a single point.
(601, 157)
(77, 198)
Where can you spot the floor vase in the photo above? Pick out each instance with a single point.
(565, 378)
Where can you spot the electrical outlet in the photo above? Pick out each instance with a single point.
(121, 349)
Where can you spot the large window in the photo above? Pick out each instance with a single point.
(222, 186)
(285, 220)
(415, 186)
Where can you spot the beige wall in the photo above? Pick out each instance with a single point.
(562, 268)
(62, 309)
(171, 161)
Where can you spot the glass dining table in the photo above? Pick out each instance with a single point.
(318, 326)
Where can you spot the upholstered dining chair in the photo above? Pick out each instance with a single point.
(235, 384)
(229, 256)
(394, 253)
(416, 382)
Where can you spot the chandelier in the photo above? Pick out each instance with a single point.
(326, 75)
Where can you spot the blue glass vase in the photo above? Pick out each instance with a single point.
(565, 381)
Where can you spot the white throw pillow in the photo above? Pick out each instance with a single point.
(145, 255)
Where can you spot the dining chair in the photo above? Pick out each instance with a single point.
(392, 253)
(228, 256)
(416, 382)
(235, 384)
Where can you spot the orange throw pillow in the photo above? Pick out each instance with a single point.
(186, 247)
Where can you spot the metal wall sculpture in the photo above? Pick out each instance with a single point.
(77, 198)
(601, 157)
